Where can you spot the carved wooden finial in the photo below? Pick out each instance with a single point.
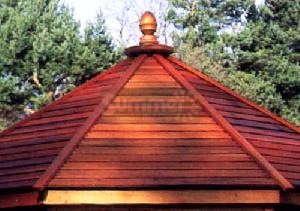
(148, 26)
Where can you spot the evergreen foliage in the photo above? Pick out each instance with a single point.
(43, 54)
(255, 47)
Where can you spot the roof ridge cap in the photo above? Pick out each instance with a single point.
(235, 94)
(275, 174)
(77, 137)
(63, 97)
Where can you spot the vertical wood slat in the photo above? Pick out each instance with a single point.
(67, 150)
(282, 181)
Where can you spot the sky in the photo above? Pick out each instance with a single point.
(86, 10)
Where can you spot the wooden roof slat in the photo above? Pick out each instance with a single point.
(22, 170)
(156, 173)
(159, 165)
(234, 182)
(167, 135)
(21, 149)
(157, 127)
(32, 154)
(153, 120)
(150, 142)
(157, 150)
(160, 157)
(283, 182)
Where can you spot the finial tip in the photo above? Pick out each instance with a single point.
(148, 26)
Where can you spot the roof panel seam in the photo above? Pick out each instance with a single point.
(99, 109)
(275, 174)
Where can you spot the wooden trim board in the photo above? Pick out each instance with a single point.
(160, 197)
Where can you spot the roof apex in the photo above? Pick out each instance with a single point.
(148, 42)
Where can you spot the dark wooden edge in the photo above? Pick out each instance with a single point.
(99, 109)
(282, 181)
(149, 49)
(69, 94)
(233, 93)
(8, 200)
(292, 198)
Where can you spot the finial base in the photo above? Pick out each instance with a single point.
(148, 40)
(149, 49)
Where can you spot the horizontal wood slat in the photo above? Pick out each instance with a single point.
(30, 155)
(133, 111)
(76, 104)
(159, 157)
(162, 182)
(152, 78)
(26, 162)
(247, 117)
(157, 127)
(236, 109)
(153, 120)
(58, 119)
(67, 111)
(158, 165)
(19, 137)
(256, 124)
(34, 141)
(167, 135)
(229, 103)
(284, 146)
(147, 71)
(157, 150)
(22, 170)
(45, 127)
(152, 85)
(271, 133)
(158, 142)
(152, 91)
(133, 174)
(158, 98)
(21, 149)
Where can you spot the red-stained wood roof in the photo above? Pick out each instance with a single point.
(150, 121)
(155, 134)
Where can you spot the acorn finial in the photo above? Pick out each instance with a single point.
(148, 26)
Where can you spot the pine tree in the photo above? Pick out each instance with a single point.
(43, 55)
(256, 48)
(268, 48)
(101, 46)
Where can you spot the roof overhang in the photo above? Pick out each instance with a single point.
(21, 199)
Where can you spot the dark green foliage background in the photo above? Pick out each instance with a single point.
(253, 49)
(43, 54)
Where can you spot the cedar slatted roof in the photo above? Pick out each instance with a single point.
(150, 121)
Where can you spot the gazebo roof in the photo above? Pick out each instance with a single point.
(149, 122)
